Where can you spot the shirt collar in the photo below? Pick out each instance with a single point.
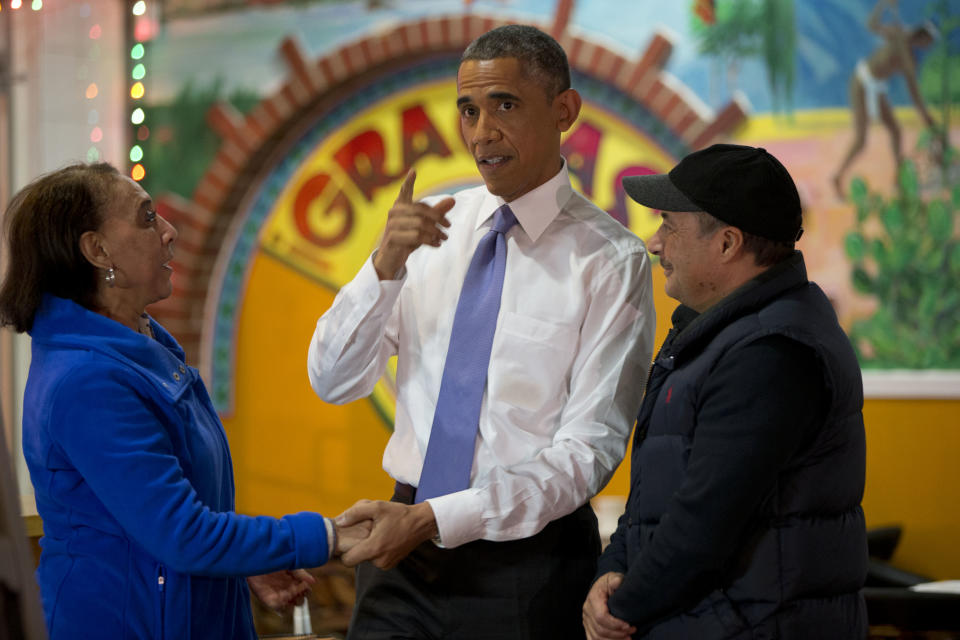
(536, 209)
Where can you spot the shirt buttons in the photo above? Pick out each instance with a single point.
(182, 369)
(176, 376)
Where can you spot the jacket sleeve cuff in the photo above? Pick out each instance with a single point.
(608, 563)
(311, 547)
(614, 556)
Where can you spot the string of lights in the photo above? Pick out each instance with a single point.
(36, 5)
(143, 30)
(92, 91)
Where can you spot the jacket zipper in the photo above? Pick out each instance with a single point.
(161, 595)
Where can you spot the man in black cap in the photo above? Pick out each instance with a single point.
(747, 470)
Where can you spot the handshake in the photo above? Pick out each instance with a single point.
(381, 532)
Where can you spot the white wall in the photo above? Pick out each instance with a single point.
(54, 60)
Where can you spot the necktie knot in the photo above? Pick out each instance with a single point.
(503, 219)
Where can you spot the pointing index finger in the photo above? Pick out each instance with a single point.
(406, 189)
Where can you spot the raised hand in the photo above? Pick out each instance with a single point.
(599, 623)
(409, 225)
(397, 530)
(281, 590)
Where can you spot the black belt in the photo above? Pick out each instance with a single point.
(404, 493)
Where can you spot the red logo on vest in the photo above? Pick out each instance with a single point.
(669, 394)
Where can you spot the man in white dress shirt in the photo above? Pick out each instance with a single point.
(512, 554)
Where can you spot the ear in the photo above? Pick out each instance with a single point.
(567, 105)
(91, 246)
(731, 243)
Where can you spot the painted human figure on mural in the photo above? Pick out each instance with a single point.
(868, 84)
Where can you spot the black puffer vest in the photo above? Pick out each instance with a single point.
(799, 573)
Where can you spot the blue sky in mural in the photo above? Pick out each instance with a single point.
(241, 47)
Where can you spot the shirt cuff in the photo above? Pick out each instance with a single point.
(331, 536)
(399, 276)
(369, 295)
(459, 517)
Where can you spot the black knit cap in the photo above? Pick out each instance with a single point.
(745, 187)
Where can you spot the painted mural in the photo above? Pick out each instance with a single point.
(279, 156)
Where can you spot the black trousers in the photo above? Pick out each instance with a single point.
(528, 589)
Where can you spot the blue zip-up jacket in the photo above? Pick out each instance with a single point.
(134, 483)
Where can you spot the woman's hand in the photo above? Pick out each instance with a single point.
(281, 590)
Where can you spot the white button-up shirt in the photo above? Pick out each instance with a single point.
(567, 367)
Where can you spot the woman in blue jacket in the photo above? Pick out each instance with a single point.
(129, 460)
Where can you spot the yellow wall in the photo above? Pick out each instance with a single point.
(293, 452)
(913, 448)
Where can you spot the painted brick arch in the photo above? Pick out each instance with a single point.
(259, 139)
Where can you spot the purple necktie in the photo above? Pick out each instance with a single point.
(449, 458)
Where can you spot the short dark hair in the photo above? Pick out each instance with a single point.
(542, 57)
(44, 222)
(766, 252)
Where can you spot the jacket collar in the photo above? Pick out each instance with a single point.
(64, 323)
(755, 294)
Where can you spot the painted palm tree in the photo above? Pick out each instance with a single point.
(743, 29)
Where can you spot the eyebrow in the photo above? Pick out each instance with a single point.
(496, 95)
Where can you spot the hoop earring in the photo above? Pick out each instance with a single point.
(111, 277)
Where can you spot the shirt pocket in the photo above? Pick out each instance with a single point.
(531, 363)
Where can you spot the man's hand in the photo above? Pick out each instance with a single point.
(599, 623)
(281, 590)
(409, 225)
(397, 530)
(349, 536)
